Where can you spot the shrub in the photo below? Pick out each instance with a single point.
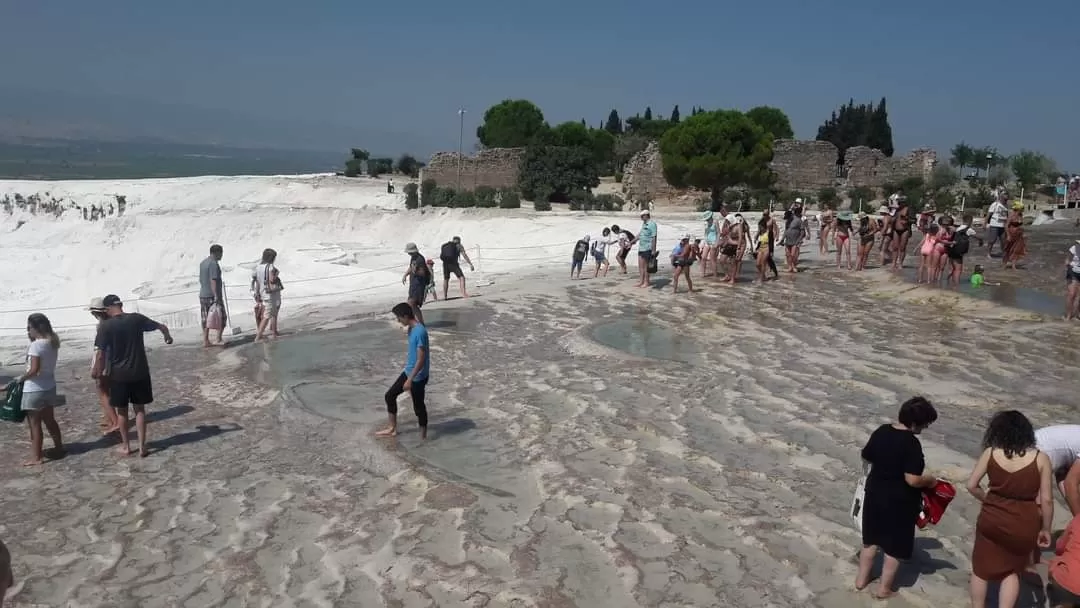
(608, 202)
(509, 199)
(427, 192)
(486, 197)
(703, 204)
(443, 197)
(618, 177)
(542, 200)
(464, 199)
(412, 199)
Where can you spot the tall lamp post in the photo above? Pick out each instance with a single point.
(989, 159)
(461, 136)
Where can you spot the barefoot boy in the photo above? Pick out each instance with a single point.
(414, 378)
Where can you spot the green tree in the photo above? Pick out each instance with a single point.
(858, 125)
(717, 150)
(1031, 168)
(409, 165)
(772, 120)
(648, 113)
(879, 132)
(357, 160)
(614, 123)
(412, 200)
(962, 156)
(861, 194)
(572, 134)
(557, 171)
(827, 196)
(512, 123)
(603, 151)
(675, 115)
(943, 177)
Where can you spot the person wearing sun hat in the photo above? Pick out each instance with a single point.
(109, 421)
(418, 277)
(648, 237)
(1015, 241)
(121, 337)
(682, 258)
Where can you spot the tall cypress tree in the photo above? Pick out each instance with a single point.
(648, 113)
(614, 123)
(675, 114)
(880, 132)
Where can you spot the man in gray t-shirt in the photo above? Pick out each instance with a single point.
(211, 291)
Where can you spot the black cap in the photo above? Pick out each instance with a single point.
(111, 300)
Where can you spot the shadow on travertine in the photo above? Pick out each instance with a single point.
(156, 416)
(200, 433)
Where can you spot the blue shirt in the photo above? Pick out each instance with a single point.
(647, 236)
(418, 339)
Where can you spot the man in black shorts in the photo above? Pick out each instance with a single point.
(120, 337)
(417, 276)
(451, 251)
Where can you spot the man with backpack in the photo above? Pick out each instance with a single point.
(451, 251)
(958, 248)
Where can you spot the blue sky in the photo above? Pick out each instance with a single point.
(991, 73)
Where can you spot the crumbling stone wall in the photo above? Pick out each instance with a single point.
(871, 168)
(643, 177)
(805, 166)
(495, 167)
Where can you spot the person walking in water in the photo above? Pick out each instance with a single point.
(109, 420)
(682, 258)
(266, 286)
(1072, 281)
(417, 277)
(121, 339)
(449, 255)
(1017, 509)
(647, 240)
(212, 293)
(414, 378)
(39, 387)
(600, 252)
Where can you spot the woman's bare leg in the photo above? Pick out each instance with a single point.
(108, 414)
(888, 577)
(49, 421)
(866, 564)
(33, 422)
(675, 279)
(977, 591)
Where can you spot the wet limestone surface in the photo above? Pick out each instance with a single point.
(562, 471)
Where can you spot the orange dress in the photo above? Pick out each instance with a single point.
(1007, 531)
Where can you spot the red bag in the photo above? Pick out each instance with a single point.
(935, 501)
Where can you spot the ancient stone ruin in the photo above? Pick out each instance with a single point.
(805, 166)
(495, 167)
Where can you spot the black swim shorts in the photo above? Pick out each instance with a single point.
(138, 392)
(452, 268)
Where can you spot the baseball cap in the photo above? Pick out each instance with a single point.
(644, 212)
(798, 201)
(411, 248)
(111, 300)
(96, 304)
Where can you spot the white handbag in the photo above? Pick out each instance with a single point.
(859, 498)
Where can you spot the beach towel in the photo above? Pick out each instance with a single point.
(935, 501)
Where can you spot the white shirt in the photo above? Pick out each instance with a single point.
(1061, 443)
(965, 228)
(1075, 263)
(261, 274)
(45, 380)
(999, 214)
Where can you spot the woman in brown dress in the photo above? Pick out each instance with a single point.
(1015, 242)
(1012, 522)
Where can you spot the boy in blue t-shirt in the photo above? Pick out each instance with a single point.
(414, 377)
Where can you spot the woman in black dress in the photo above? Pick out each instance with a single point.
(894, 492)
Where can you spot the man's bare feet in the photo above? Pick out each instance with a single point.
(423, 432)
(878, 594)
(387, 432)
(143, 453)
(124, 451)
(206, 344)
(33, 463)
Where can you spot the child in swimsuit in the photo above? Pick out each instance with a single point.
(941, 246)
(926, 252)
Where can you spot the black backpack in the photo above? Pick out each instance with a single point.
(961, 243)
(449, 252)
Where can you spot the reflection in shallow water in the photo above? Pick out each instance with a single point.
(1023, 298)
(643, 338)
